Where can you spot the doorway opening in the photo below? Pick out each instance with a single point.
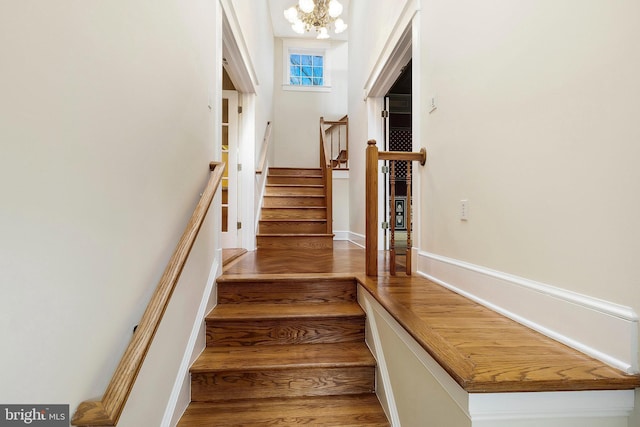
(399, 137)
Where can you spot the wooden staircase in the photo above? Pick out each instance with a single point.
(294, 211)
(284, 351)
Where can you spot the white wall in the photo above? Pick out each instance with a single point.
(106, 139)
(297, 113)
(341, 204)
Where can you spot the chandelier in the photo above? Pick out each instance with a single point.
(318, 14)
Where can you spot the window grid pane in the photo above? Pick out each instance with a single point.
(306, 70)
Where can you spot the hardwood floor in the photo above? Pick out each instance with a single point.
(345, 257)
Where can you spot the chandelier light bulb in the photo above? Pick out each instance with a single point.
(306, 6)
(322, 33)
(335, 8)
(298, 27)
(340, 26)
(291, 14)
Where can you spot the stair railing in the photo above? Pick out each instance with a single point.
(264, 150)
(371, 204)
(337, 139)
(261, 176)
(107, 411)
(334, 154)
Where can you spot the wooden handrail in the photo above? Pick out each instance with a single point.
(420, 156)
(325, 149)
(107, 411)
(341, 121)
(371, 200)
(265, 149)
(334, 123)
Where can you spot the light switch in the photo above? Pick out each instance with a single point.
(464, 210)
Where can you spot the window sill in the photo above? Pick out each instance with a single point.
(297, 88)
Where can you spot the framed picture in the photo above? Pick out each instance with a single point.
(400, 216)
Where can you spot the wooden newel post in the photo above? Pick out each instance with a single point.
(371, 207)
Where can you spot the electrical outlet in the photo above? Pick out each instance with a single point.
(464, 210)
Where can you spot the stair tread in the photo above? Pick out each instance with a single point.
(295, 196)
(286, 356)
(290, 168)
(343, 411)
(294, 235)
(295, 185)
(302, 175)
(295, 207)
(284, 277)
(293, 220)
(294, 171)
(281, 311)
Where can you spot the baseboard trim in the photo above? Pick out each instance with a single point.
(357, 239)
(551, 405)
(601, 329)
(340, 235)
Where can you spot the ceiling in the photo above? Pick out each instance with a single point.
(282, 27)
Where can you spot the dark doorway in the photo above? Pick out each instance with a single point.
(399, 138)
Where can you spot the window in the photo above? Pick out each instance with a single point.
(306, 65)
(306, 69)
